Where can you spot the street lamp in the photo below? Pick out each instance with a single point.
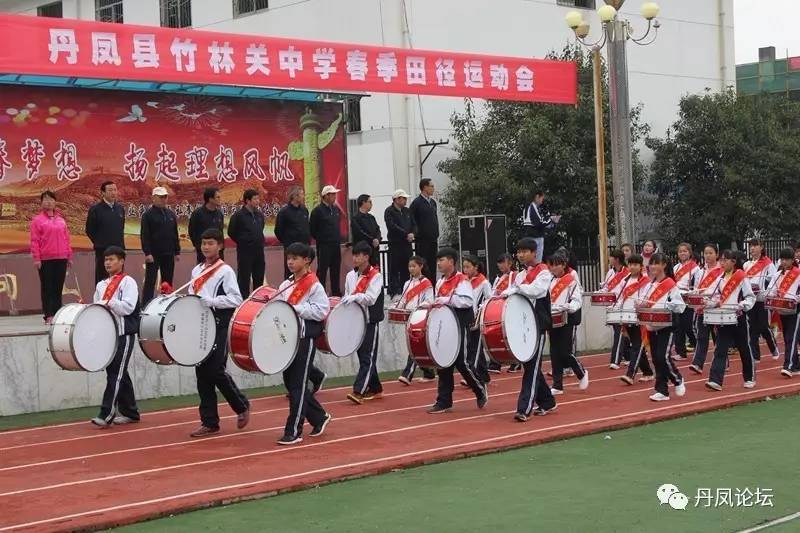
(616, 32)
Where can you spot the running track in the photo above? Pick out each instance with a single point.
(70, 476)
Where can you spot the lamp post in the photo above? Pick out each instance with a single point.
(616, 33)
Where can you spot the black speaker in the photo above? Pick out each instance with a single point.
(483, 236)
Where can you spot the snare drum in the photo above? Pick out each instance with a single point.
(83, 337)
(345, 327)
(559, 319)
(398, 316)
(177, 329)
(721, 316)
(434, 336)
(264, 334)
(695, 300)
(509, 329)
(620, 317)
(655, 317)
(782, 306)
(603, 299)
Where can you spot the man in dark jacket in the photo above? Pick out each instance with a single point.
(536, 220)
(246, 229)
(365, 228)
(159, 233)
(426, 220)
(207, 216)
(400, 230)
(325, 228)
(105, 226)
(291, 224)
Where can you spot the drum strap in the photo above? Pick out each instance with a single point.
(302, 287)
(710, 277)
(449, 285)
(562, 283)
(788, 280)
(201, 280)
(685, 268)
(503, 283)
(732, 284)
(365, 279)
(416, 290)
(634, 287)
(661, 290)
(617, 279)
(113, 285)
(533, 272)
(477, 280)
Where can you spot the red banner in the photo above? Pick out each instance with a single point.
(65, 47)
(72, 140)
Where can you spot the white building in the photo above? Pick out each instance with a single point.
(694, 51)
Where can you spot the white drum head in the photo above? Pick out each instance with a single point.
(275, 335)
(520, 328)
(94, 338)
(443, 336)
(345, 328)
(188, 331)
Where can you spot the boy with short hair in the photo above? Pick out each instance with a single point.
(505, 264)
(120, 294)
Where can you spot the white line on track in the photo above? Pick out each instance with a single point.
(776, 522)
(341, 439)
(370, 461)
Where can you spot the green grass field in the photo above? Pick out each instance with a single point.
(586, 484)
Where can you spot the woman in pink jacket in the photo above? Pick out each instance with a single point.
(52, 253)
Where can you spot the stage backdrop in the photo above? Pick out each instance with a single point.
(71, 140)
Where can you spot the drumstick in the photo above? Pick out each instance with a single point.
(183, 287)
(78, 286)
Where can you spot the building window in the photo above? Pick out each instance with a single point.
(582, 4)
(53, 10)
(176, 13)
(108, 10)
(248, 7)
(352, 111)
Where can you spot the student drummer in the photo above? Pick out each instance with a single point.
(632, 290)
(417, 290)
(364, 286)
(505, 278)
(120, 294)
(215, 283)
(307, 296)
(481, 293)
(613, 283)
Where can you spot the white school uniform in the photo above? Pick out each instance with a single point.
(671, 300)
(122, 302)
(480, 294)
(368, 297)
(314, 305)
(629, 304)
(534, 290)
(705, 273)
(748, 299)
(460, 298)
(689, 280)
(762, 279)
(224, 277)
(425, 297)
(571, 298)
(794, 288)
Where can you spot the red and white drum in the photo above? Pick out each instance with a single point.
(509, 329)
(695, 300)
(177, 329)
(345, 327)
(83, 337)
(433, 336)
(621, 317)
(559, 319)
(603, 299)
(398, 315)
(655, 317)
(727, 315)
(782, 306)
(264, 334)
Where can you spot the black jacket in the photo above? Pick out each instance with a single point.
(426, 218)
(399, 223)
(246, 228)
(202, 219)
(105, 226)
(364, 227)
(325, 224)
(291, 225)
(535, 224)
(159, 232)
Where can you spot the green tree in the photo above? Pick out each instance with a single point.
(728, 169)
(505, 151)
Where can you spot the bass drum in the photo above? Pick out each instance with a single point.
(177, 329)
(268, 341)
(433, 336)
(509, 329)
(345, 327)
(83, 337)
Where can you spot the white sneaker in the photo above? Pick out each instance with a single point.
(613, 366)
(556, 392)
(97, 421)
(713, 386)
(776, 356)
(680, 389)
(787, 373)
(749, 384)
(658, 397)
(584, 383)
(120, 420)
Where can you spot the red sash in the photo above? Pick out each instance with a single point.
(758, 266)
(788, 280)
(634, 287)
(617, 279)
(477, 280)
(113, 285)
(685, 268)
(503, 283)
(365, 279)
(562, 283)
(206, 275)
(418, 289)
(710, 277)
(450, 284)
(662, 290)
(301, 288)
(732, 284)
(533, 272)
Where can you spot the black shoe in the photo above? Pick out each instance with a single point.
(542, 412)
(519, 417)
(483, 397)
(320, 429)
(318, 386)
(437, 409)
(514, 369)
(288, 440)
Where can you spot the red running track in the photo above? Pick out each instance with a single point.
(72, 476)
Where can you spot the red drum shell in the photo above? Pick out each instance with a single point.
(398, 316)
(603, 298)
(661, 319)
(559, 319)
(239, 334)
(493, 334)
(322, 341)
(263, 294)
(695, 300)
(416, 336)
(783, 306)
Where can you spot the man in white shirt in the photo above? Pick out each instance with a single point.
(216, 285)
